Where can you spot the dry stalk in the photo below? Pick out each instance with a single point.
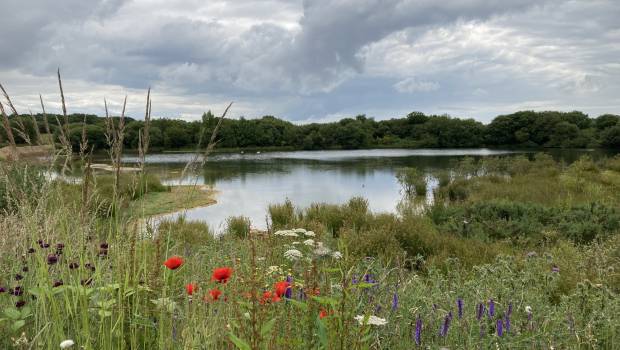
(46, 124)
(35, 125)
(7, 127)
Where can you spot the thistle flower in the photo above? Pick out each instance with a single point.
(395, 301)
(459, 305)
(65, 344)
(491, 308)
(173, 262)
(500, 328)
(445, 326)
(418, 331)
(17, 291)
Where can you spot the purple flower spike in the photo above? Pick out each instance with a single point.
(289, 291)
(479, 311)
(459, 305)
(509, 309)
(445, 326)
(491, 308)
(395, 301)
(500, 328)
(507, 323)
(418, 331)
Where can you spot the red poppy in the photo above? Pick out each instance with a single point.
(281, 287)
(174, 262)
(221, 274)
(323, 313)
(269, 296)
(215, 294)
(191, 288)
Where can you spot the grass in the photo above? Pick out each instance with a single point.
(175, 199)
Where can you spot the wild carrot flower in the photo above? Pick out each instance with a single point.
(491, 308)
(500, 328)
(459, 305)
(190, 288)
(173, 262)
(528, 310)
(309, 234)
(221, 274)
(418, 331)
(293, 254)
(65, 344)
(372, 320)
(309, 242)
(337, 255)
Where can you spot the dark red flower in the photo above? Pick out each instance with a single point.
(25, 269)
(73, 265)
(18, 277)
(104, 246)
(31, 250)
(2, 290)
(191, 288)
(52, 259)
(174, 262)
(221, 274)
(20, 304)
(17, 291)
(215, 294)
(57, 283)
(281, 287)
(60, 246)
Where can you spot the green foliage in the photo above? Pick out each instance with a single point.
(282, 215)
(412, 181)
(187, 234)
(238, 226)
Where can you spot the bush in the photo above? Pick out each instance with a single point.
(282, 215)
(412, 181)
(238, 226)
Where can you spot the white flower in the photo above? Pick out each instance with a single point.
(293, 254)
(372, 320)
(337, 255)
(309, 242)
(65, 344)
(321, 250)
(528, 309)
(309, 234)
(300, 230)
(286, 233)
(296, 243)
(273, 269)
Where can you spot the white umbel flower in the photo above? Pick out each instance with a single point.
(300, 230)
(309, 242)
(65, 344)
(309, 234)
(293, 254)
(372, 320)
(337, 255)
(286, 233)
(321, 250)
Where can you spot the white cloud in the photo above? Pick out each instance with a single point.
(410, 85)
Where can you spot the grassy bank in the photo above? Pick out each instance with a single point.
(513, 253)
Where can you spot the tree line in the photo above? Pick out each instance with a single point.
(416, 130)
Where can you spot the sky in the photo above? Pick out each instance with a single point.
(313, 60)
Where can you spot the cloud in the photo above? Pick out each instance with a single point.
(312, 59)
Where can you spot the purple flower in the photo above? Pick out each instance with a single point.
(289, 291)
(52, 259)
(395, 301)
(479, 311)
(509, 309)
(20, 304)
(418, 331)
(368, 278)
(18, 277)
(507, 323)
(500, 328)
(57, 283)
(302, 294)
(73, 265)
(104, 245)
(459, 305)
(31, 250)
(60, 246)
(555, 269)
(446, 325)
(2, 290)
(17, 291)
(491, 308)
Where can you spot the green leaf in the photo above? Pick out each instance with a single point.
(37, 292)
(326, 300)
(299, 304)
(25, 312)
(13, 313)
(322, 333)
(267, 327)
(239, 343)
(17, 325)
(105, 313)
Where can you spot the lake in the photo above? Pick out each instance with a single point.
(248, 183)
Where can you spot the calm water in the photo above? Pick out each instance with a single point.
(247, 183)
